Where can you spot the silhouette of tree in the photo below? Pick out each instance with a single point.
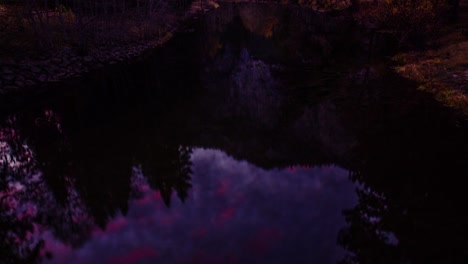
(71, 182)
(167, 169)
(411, 200)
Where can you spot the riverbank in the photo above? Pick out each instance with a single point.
(29, 73)
(442, 70)
(19, 73)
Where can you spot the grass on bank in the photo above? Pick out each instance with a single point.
(442, 72)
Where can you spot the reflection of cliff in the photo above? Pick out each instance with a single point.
(322, 123)
(252, 91)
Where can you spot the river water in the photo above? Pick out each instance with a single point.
(259, 134)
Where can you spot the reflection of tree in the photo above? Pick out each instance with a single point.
(368, 233)
(33, 194)
(412, 203)
(168, 169)
(68, 183)
(103, 170)
(15, 245)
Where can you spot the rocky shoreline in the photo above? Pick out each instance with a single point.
(19, 76)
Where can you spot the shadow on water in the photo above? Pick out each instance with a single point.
(275, 87)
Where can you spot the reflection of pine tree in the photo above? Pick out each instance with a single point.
(168, 169)
(73, 181)
(411, 204)
(38, 187)
(103, 170)
(368, 229)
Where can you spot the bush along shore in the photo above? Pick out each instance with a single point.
(430, 39)
(43, 44)
(442, 69)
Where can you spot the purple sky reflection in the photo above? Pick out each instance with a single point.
(235, 213)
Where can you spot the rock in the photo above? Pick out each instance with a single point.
(35, 69)
(10, 88)
(65, 64)
(29, 83)
(67, 51)
(19, 83)
(20, 78)
(53, 69)
(61, 75)
(8, 77)
(7, 70)
(88, 59)
(56, 60)
(28, 75)
(42, 78)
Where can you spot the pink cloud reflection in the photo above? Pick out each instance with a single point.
(222, 187)
(264, 240)
(134, 256)
(225, 216)
(116, 225)
(200, 232)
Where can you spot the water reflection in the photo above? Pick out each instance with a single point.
(66, 194)
(67, 185)
(235, 213)
(412, 204)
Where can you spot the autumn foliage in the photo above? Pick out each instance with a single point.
(403, 15)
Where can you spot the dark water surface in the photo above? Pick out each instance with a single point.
(264, 134)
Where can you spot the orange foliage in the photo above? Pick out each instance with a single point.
(262, 25)
(403, 15)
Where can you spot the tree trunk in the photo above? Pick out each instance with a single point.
(454, 6)
(355, 5)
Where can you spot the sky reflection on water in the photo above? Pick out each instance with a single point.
(235, 213)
